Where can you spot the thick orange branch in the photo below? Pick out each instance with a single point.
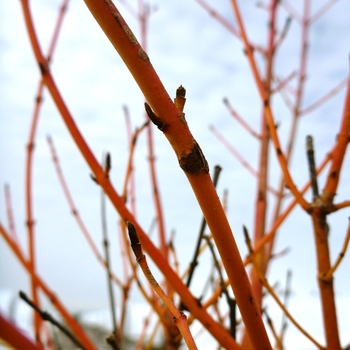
(174, 126)
(339, 152)
(116, 28)
(330, 321)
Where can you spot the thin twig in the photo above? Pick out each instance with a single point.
(240, 120)
(194, 261)
(9, 212)
(329, 275)
(321, 11)
(142, 335)
(312, 167)
(324, 98)
(340, 205)
(268, 287)
(230, 301)
(159, 208)
(287, 293)
(74, 209)
(238, 156)
(341, 145)
(264, 95)
(218, 17)
(54, 299)
(113, 339)
(179, 318)
(129, 177)
(284, 32)
(282, 85)
(281, 217)
(182, 141)
(29, 164)
(293, 12)
(173, 252)
(273, 330)
(47, 317)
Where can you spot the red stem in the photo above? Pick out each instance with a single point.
(14, 336)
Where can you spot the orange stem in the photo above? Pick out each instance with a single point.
(264, 95)
(279, 220)
(339, 152)
(175, 128)
(295, 109)
(341, 205)
(29, 209)
(139, 65)
(129, 166)
(329, 274)
(329, 314)
(262, 257)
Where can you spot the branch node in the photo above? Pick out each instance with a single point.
(194, 162)
(43, 68)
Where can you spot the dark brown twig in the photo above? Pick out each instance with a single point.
(47, 317)
(287, 293)
(230, 301)
(312, 168)
(194, 261)
(107, 166)
(272, 293)
(329, 275)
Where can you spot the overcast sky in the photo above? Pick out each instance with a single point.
(187, 47)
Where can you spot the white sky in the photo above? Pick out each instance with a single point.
(187, 47)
